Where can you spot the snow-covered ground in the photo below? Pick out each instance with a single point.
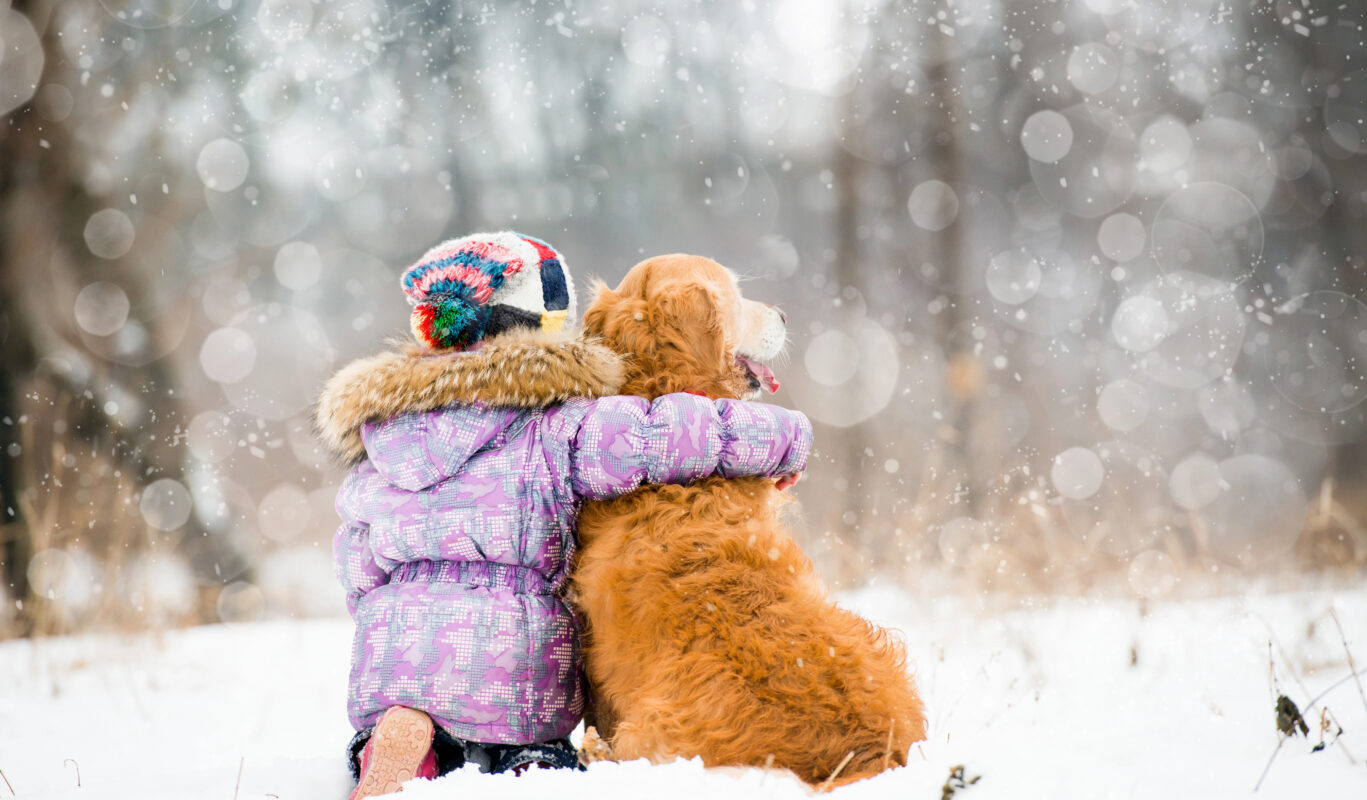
(1066, 699)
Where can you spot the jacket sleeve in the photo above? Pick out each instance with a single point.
(355, 563)
(624, 442)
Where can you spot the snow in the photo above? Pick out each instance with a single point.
(1056, 698)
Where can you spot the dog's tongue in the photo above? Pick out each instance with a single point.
(765, 375)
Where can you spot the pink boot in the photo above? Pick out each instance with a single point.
(399, 750)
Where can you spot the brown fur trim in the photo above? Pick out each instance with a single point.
(523, 369)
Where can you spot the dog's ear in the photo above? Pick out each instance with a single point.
(604, 300)
(676, 338)
(617, 319)
(689, 317)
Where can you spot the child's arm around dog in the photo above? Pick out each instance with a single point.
(624, 442)
(598, 448)
(604, 447)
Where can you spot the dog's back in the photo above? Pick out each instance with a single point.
(709, 634)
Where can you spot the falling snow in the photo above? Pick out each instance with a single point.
(1076, 297)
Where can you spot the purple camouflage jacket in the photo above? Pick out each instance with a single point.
(458, 530)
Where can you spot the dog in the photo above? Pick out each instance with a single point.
(707, 631)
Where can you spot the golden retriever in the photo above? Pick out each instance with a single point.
(707, 630)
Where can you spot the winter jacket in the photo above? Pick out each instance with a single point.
(458, 524)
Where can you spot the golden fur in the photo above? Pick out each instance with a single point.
(708, 632)
(525, 369)
(677, 319)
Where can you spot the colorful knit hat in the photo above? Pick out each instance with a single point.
(480, 285)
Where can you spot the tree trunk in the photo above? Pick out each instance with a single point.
(965, 373)
(847, 173)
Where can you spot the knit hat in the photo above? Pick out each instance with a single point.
(480, 285)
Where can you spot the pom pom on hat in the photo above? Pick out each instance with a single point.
(467, 289)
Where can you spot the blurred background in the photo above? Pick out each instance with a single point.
(1075, 290)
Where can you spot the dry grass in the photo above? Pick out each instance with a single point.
(830, 780)
(1023, 542)
(77, 500)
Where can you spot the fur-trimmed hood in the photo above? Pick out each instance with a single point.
(522, 369)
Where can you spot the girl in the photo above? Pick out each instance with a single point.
(473, 451)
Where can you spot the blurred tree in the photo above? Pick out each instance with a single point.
(948, 138)
(790, 141)
(16, 355)
(127, 410)
(848, 175)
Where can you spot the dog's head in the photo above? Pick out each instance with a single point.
(682, 322)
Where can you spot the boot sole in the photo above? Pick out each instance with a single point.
(402, 739)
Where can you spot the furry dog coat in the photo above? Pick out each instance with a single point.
(708, 631)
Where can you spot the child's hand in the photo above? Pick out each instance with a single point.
(785, 481)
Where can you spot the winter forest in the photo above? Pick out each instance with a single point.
(1076, 297)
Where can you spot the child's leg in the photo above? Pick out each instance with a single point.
(517, 758)
(450, 751)
(353, 751)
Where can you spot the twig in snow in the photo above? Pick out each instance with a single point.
(1289, 723)
(1286, 657)
(73, 763)
(1280, 741)
(1336, 684)
(238, 786)
(1287, 715)
(826, 784)
(1351, 665)
(1348, 754)
(1325, 722)
(1290, 719)
(958, 780)
(1272, 639)
(1271, 673)
(7, 783)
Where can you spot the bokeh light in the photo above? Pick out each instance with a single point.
(21, 60)
(1077, 473)
(933, 205)
(1047, 136)
(1208, 228)
(109, 233)
(222, 165)
(166, 504)
(1123, 405)
(1319, 359)
(227, 355)
(101, 308)
(853, 374)
(1191, 327)
(1259, 511)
